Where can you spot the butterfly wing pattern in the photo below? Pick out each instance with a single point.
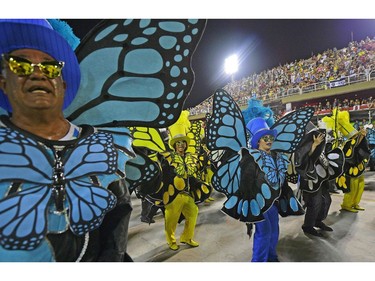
(357, 154)
(144, 77)
(291, 174)
(23, 221)
(291, 129)
(88, 205)
(195, 138)
(227, 177)
(140, 171)
(226, 127)
(226, 131)
(89, 202)
(23, 213)
(329, 168)
(149, 138)
(145, 72)
(371, 141)
(20, 213)
(134, 73)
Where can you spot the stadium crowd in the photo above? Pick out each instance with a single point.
(326, 69)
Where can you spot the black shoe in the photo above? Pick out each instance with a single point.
(323, 226)
(312, 231)
(147, 220)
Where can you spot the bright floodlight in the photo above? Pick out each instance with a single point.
(231, 64)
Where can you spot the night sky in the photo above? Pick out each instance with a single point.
(260, 44)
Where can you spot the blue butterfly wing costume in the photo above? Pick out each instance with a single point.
(48, 176)
(134, 73)
(140, 172)
(248, 201)
(144, 77)
(142, 65)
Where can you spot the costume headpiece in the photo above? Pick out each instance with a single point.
(178, 134)
(340, 121)
(38, 34)
(180, 129)
(255, 109)
(258, 128)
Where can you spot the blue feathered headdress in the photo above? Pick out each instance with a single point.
(256, 109)
(65, 31)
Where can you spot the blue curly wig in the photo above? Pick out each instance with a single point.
(255, 109)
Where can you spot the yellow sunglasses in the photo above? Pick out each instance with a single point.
(268, 138)
(23, 67)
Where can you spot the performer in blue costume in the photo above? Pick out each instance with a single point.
(254, 179)
(266, 234)
(61, 197)
(63, 193)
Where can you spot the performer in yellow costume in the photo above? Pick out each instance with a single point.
(352, 198)
(356, 184)
(178, 187)
(357, 154)
(185, 166)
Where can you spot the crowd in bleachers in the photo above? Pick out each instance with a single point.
(345, 104)
(329, 66)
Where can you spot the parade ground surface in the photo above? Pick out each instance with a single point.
(223, 239)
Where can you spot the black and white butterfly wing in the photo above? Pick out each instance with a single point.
(334, 165)
(291, 173)
(328, 167)
(135, 72)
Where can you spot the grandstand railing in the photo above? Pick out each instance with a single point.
(372, 75)
(344, 81)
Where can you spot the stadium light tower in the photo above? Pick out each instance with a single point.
(231, 65)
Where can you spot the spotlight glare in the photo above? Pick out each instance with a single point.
(231, 64)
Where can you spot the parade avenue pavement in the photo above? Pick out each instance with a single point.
(223, 239)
